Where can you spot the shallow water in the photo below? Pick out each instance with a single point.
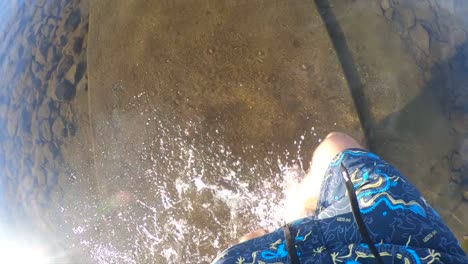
(149, 139)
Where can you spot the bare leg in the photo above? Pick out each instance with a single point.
(304, 197)
(305, 200)
(253, 234)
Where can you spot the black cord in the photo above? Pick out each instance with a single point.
(357, 215)
(290, 247)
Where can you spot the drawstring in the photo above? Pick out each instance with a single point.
(290, 247)
(357, 215)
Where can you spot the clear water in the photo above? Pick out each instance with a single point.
(143, 183)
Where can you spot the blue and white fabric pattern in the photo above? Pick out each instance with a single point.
(402, 225)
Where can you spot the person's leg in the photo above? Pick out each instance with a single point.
(303, 198)
(306, 195)
(257, 233)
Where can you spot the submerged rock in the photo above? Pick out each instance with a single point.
(64, 66)
(404, 17)
(44, 131)
(420, 38)
(78, 45)
(65, 91)
(80, 71)
(58, 128)
(73, 20)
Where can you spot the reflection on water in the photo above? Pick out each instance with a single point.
(171, 179)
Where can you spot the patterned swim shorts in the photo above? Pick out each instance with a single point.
(401, 225)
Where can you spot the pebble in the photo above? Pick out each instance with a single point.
(65, 91)
(78, 45)
(420, 38)
(64, 65)
(44, 131)
(73, 20)
(70, 76)
(51, 56)
(44, 109)
(39, 58)
(58, 128)
(80, 71)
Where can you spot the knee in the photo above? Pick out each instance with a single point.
(334, 143)
(336, 135)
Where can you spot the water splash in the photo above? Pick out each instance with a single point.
(197, 196)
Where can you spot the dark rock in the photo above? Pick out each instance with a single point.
(31, 38)
(71, 129)
(80, 71)
(55, 151)
(65, 91)
(63, 41)
(26, 119)
(73, 20)
(78, 45)
(65, 64)
(44, 46)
